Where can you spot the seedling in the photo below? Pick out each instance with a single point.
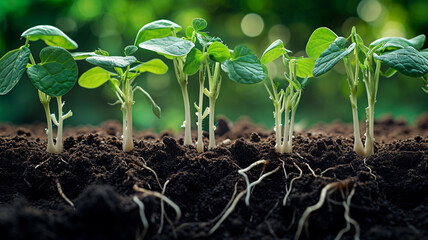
(298, 71)
(161, 36)
(398, 54)
(53, 77)
(121, 82)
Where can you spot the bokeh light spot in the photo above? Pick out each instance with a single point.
(252, 25)
(369, 10)
(279, 31)
(393, 29)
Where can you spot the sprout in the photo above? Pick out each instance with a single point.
(54, 76)
(286, 100)
(121, 82)
(399, 54)
(161, 36)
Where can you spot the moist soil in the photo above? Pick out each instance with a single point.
(387, 193)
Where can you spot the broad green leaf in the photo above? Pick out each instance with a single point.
(206, 40)
(51, 35)
(193, 61)
(331, 56)
(407, 61)
(12, 67)
(392, 43)
(218, 52)
(157, 29)
(94, 78)
(129, 50)
(319, 41)
(171, 46)
(243, 66)
(155, 66)
(112, 61)
(82, 55)
(189, 31)
(56, 74)
(199, 24)
(304, 67)
(274, 51)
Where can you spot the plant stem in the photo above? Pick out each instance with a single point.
(278, 127)
(371, 82)
(212, 143)
(200, 141)
(45, 99)
(187, 121)
(289, 146)
(128, 143)
(59, 146)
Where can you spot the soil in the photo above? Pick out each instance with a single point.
(387, 193)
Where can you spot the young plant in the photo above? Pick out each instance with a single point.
(397, 53)
(298, 71)
(161, 36)
(54, 76)
(121, 82)
(213, 53)
(242, 66)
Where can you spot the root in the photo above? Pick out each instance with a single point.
(40, 164)
(162, 197)
(288, 190)
(349, 220)
(311, 170)
(325, 192)
(163, 213)
(144, 165)
(61, 193)
(370, 170)
(247, 181)
(228, 212)
(143, 218)
(333, 168)
(271, 231)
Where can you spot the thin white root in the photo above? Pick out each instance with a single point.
(247, 181)
(163, 213)
(160, 196)
(228, 212)
(143, 218)
(61, 193)
(333, 168)
(311, 170)
(327, 190)
(144, 165)
(349, 220)
(288, 190)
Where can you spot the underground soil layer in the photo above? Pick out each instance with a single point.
(93, 190)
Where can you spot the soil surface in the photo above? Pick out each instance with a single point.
(384, 196)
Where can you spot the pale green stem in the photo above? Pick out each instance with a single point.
(128, 143)
(289, 146)
(59, 146)
(45, 99)
(278, 127)
(200, 141)
(353, 88)
(212, 143)
(371, 87)
(187, 121)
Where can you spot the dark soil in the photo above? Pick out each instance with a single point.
(390, 200)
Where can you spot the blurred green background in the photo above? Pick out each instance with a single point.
(113, 24)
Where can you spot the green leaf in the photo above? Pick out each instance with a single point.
(393, 43)
(82, 55)
(155, 66)
(189, 31)
(218, 52)
(199, 24)
(407, 61)
(243, 66)
(171, 46)
(157, 29)
(331, 56)
(112, 61)
(129, 50)
(206, 40)
(319, 41)
(304, 67)
(56, 74)
(274, 51)
(12, 67)
(193, 61)
(51, 35)
(94, 78)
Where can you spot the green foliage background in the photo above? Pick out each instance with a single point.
(113, 24)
